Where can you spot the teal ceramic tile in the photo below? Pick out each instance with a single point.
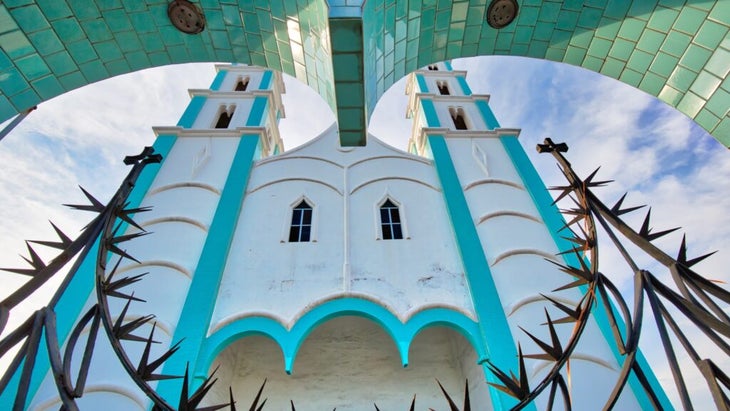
(46, 42)
(68, 30)
(722, 131)
(117, 67)
(681, 79)
(599, 47)
(642, 9)
(589, 17)
(622, 49)
(593, 63)
(567, 20)
(12, 82)
(32, 66)
(72, 80)
(527, 16)
(719, 63)
(574, 55)
(108, 50)
(617, 9)
(47, 87)
(663, 64)
(720, 13)
(630, 77)
(689, 20)
(143, 22)
(15, 44)
(549, 12)
(117, 20)
(159, 58)
(96, 30)
(84, 10)
(137, 60)
(690, 104)
(132, 6)
(5, 62)
(61, 63)
(695, 57)
(650, 41)
(608, 28)
(30, 18)
(612, 67)
(54, 9)
(6, 108)
(108, 4)
(676, 43)
(652, 83)
(719, 104)
(640, 61)
(81, 51)
(631, 29)
(710, 34)
(128, 41)
(94, 71)
(25, 99)
(705, 85)
(663, 19)
(151, 42)
(706, 119)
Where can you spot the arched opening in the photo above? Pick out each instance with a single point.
(350, 363)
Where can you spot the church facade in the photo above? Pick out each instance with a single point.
(343, 276)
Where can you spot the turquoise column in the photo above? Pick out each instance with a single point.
(495, 332)
(198, 308)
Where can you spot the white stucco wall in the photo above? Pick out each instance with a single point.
(346, 256)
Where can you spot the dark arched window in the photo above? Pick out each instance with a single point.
(458, 116)
(443, 88)
(433, 67)
(301, 223)
(390, 221)
(242, 84)
(224, 118)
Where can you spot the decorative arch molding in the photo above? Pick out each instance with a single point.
(408, 179)
(582, 34)
(289, 341)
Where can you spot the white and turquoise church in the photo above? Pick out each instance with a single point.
(344, 276)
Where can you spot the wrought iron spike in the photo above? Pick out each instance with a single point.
(516, 387)
(554, 351)
(682, 254)
(564, 191)
(588, 181)
(61, 245)
(262, 404)
(258, 397)
(35, 260)
(645, 230)
(125, 215)
(573, 313)
(122, 253)
(617, 210)
(96, 205)
(147, 152)
(452, 405)
(413, 404)
(199, 395)
(111, 289)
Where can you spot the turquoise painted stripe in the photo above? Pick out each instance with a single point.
(493, 324)
(218, 80)
(447, 63)
(266, 80)
(489, 119)
(256, 116)
(70, 305)
(464, 86)
(200, 301)
(191, 112)
(554, 221)
(290, 340)
(432, 119)
(422, 83)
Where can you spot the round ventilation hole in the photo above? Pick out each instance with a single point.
(186, 16)
(501, 13)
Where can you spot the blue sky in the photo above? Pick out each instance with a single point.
(652, 151)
